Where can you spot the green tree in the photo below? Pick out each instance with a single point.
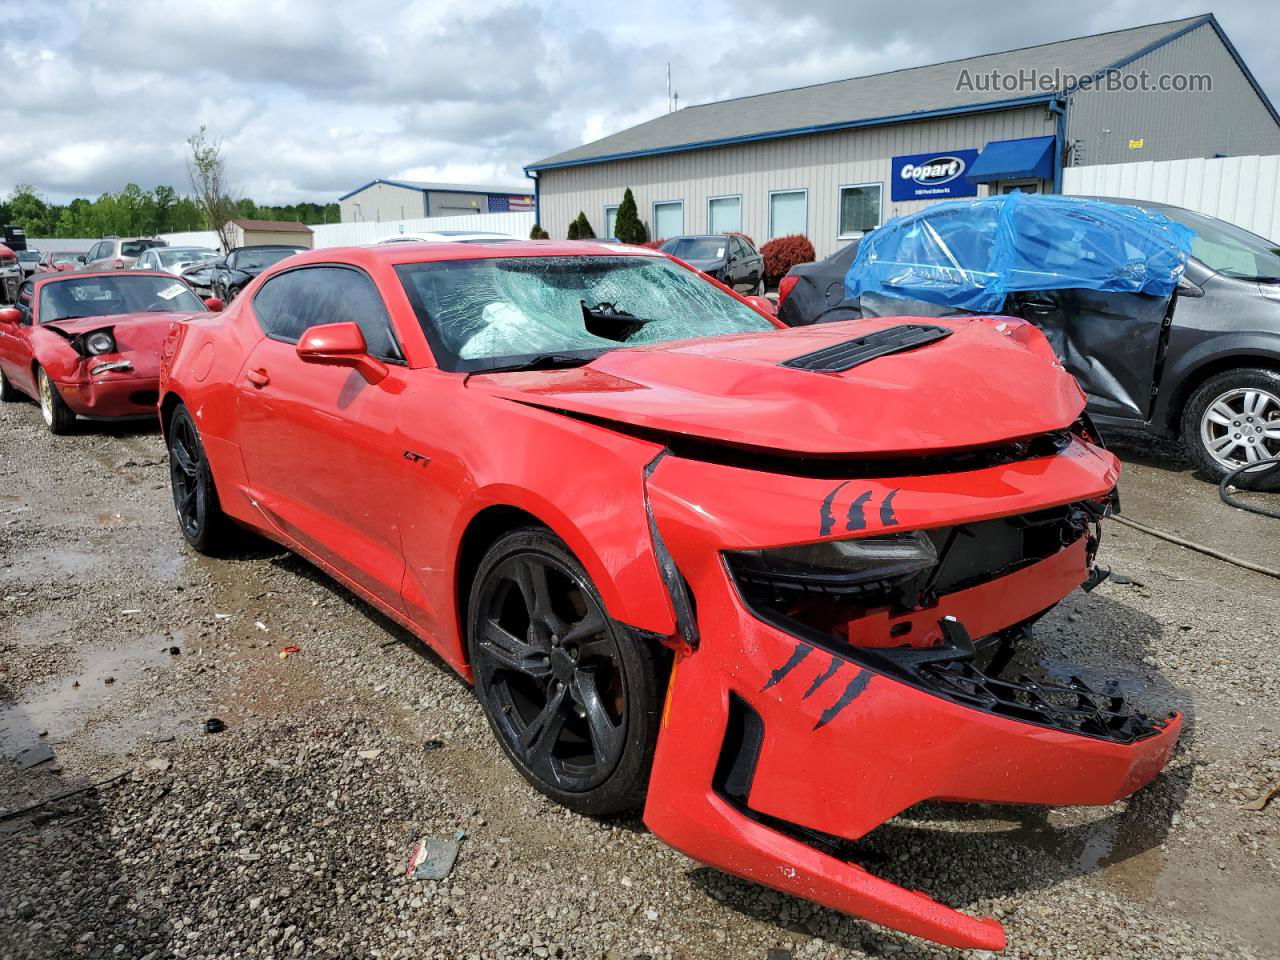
(537, 233)
(573, 230)
(584, 227)
(627, 227)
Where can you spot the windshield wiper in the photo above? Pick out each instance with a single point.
(542, 361)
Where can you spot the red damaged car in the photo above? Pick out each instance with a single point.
(766, 582)
(88, 344)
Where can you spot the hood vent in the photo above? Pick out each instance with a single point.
(845, 356)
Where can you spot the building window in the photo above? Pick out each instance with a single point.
(668, 219)
(788, 212)
(724, 215)
(859, 209)
(610, 221)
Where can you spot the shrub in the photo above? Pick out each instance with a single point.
(653, 244)
(573, 230)
(783, 253)
(627, 227)
(537, 233)
(580, 228)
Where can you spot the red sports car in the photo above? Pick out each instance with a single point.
(88, 344)
(767, 582)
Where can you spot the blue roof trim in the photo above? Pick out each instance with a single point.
(801, 131)
(414, 186)
(1025, 159)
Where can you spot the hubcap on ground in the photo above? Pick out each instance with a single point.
(184, 474)
(549, 666)
(1242, 426)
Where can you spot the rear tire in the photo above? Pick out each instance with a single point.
(1232, 419)
(8, 392)
(200, 517)
(58, 417)
(572, 696)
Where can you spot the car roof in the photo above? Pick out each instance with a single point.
(426, 252)
(266, 246)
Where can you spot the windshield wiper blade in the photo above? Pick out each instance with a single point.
(542, 361)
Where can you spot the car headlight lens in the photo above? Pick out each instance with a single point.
(100, 342)
(848, 567)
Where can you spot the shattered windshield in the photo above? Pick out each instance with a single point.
(696, 248)
(482, 314)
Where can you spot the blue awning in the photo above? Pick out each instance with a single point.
(1030, 159)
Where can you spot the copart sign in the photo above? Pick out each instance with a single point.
(933, 176)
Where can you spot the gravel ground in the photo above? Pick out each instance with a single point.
(286, 834)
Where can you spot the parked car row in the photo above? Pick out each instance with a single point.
(548, 461)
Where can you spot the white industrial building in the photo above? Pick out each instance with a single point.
(382, 200)
(834, 160)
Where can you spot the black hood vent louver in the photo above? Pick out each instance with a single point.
(845, 356)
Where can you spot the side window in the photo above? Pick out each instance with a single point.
(293, 302)
(93, 252)
(24, 300)
(737, 248)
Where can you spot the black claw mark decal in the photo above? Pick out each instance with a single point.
(857, 519)
(822, 678)
(855, 687)
(827, 519)
(887, 517)
(801, 651)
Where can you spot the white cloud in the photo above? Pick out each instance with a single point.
(314, 97)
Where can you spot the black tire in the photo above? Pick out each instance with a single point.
(232, 294)
(8, 392)
(200, 517)
(1227, 393)
(572, 696)
(58, 417)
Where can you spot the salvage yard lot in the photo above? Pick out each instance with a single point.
(287, 833)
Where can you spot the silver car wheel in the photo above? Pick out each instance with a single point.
(1241, 427)
(46, 398)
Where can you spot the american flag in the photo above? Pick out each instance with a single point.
(509, 204)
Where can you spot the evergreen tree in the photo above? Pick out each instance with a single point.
(628, 228)
(584, 227)
(537, 233)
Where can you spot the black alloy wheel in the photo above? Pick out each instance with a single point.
(571, 695)
(200, 517)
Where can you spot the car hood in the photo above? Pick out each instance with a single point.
(707, 266)
(993, 380)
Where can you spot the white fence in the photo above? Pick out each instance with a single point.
(356, 234)
(1242, 190)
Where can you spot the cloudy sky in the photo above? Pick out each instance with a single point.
(314, 97)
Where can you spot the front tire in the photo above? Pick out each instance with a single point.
(571, 695)
(200, 516)
(58, 417)
(1232, 420)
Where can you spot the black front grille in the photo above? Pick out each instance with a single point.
(851, 353)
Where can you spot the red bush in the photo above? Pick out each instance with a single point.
(653, 244)
(783, 253)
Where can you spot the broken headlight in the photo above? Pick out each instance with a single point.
(870, 565)
(100, 342)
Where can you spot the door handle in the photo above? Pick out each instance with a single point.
(258, 378)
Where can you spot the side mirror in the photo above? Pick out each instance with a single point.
(341, 345)
(1188, 288)
(214, 304)
(10, 316)
(82, 259)
(764, 305)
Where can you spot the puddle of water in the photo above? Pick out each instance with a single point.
(63, 710)
(1124, 850)
(36, 630)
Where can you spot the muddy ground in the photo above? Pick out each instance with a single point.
(286, 834)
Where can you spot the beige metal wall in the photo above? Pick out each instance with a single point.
(820, 163)
(383, 201)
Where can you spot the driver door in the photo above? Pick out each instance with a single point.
(15, 343)
(321, 445)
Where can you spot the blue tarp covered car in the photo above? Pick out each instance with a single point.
(970, 255)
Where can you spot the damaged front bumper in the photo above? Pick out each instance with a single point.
(780, 736)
